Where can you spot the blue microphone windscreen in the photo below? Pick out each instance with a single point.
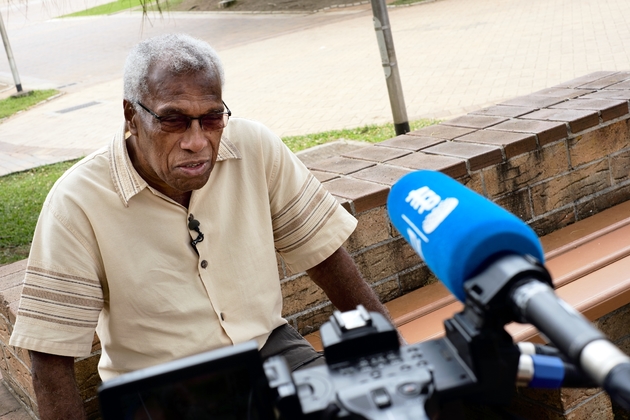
(455, 230)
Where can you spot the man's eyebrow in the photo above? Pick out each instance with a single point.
(174, 110)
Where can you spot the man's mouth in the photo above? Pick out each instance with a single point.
(194, 168)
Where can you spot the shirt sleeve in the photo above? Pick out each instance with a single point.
(309, 224)
(62, 296)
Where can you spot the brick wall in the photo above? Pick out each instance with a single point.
(552, 158)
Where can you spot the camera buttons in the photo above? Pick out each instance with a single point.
(410, 389)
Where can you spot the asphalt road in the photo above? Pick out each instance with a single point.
(78, 52)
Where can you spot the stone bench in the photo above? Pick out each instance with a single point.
(553, 158)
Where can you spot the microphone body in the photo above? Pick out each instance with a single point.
(462, 236)
(456, 231)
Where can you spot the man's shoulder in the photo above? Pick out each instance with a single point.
(241, 130)
(92, 170)
(240, 123)
(252, 139)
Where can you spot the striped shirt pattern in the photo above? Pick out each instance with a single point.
(297, 222)
(61, 298)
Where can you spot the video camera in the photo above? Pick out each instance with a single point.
(369, 376)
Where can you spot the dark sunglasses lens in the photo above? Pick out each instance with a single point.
(174, 124)
(213, 122)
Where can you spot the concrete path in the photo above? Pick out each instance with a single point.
(304, 73)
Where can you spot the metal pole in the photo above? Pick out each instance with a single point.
(390, 66)
(7, 48)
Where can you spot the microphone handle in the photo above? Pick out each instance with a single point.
(567, 329)
(575, 336)
(616, 385)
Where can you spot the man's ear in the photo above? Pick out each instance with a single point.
(130, 115)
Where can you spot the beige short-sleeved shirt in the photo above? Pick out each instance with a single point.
(111, 253)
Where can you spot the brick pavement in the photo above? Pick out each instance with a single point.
(10, 408)
(455, 56)
(321, 73)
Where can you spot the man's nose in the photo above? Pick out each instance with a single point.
(194, 138)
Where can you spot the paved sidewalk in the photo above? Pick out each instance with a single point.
(10, 408)
(455, 56)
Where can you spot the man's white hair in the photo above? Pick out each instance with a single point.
(179, 53)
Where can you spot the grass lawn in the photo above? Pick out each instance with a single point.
(108, 8)
(370, 133)
(22, 194)
(120, 5)
(11, 105)
(404, 2)
(21, 198)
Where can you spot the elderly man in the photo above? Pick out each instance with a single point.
(165, 241)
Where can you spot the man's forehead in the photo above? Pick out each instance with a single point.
(161, 75)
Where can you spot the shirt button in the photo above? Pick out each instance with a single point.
(222, 316)
(204, 264)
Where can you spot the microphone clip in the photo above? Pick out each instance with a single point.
(193, 224)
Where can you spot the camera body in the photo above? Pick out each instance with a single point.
(369, 375)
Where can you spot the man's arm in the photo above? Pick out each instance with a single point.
(340, 279)
(55, 387)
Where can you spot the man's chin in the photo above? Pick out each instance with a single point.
(190, 184)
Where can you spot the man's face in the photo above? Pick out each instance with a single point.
(175, 163)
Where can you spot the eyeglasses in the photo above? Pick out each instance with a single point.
(179, 123)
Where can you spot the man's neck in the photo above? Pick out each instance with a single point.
(182, 198)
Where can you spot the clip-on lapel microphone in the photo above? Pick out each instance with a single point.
(194, 224)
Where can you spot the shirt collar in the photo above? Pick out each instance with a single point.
(127, 181)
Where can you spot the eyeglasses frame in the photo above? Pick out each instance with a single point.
(190, 119)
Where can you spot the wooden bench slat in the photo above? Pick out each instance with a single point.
(602, 249)
(419, 303)
(430, 326)
(574, 234)
(594, 295)
(599, 292)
